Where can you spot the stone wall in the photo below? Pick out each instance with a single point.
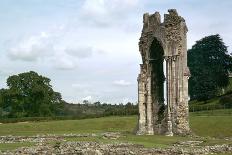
(168, 40)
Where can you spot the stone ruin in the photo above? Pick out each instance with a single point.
(163, 78)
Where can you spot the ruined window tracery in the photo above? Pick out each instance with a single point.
(161, 42)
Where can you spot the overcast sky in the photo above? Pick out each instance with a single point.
(89, 48)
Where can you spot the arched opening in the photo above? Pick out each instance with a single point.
(156, 60)
(162, 81)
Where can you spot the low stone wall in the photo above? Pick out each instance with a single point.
(56, 144)
(93, 148)
(40, 138)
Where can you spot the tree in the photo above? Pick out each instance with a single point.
(97, 104)
(209, 64)
(4, 102)
(30, 94)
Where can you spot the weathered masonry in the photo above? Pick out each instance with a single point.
(163, 78)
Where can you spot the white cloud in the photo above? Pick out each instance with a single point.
(76, 85)
(121, 83)
(50, 48)
(32, 48)
(80, 52)
(103, 7)
(105, 12)
(68, 58)
(44, 47)
(64, 63)
(79, 86)
(70, 39)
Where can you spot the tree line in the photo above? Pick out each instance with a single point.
(31, 95)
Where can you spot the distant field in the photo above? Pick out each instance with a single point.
(95, 125)
(219, 112)
(202, 124)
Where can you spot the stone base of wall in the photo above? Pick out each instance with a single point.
(93, 148)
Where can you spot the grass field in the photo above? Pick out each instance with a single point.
(11, 146)
(219, 112)
(202, 125)
(96, 125)
(215, 126)
(212, 126)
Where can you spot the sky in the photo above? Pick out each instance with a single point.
(89, 48)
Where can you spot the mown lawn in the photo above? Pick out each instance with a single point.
(213, 126)
(220, 112)
(95, 125)
(202, 125)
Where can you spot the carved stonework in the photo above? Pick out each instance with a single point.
(163, 109)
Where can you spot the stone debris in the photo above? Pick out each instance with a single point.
(41, 138)
(188, 143)
(94, 148)
(111, 135)
(56, 144)
(35, 139)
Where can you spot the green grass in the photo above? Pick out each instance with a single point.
(212, 126)
(202, 124)
(213, 101)
(153, 140)
(146, 140)
(150, 141)
(219, 112)
(95, 125)
(12, 146)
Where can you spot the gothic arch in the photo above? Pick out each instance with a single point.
(163, 42)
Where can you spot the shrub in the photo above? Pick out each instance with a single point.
(226, 101)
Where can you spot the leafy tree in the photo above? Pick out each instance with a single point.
(86, 102)
(4, 102)
(209, 64)
(30, 94)
(98, 103)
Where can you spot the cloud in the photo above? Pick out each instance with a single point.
(69, 38)
(76, 85)
(121, 83)
(103, 7)
(68, 58)
(80, 86)
(51, 49)
(64, 63)
(105, 12)
(43, 47)
(80, 52)
(32, 48)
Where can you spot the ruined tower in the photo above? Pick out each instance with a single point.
(163, 78)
